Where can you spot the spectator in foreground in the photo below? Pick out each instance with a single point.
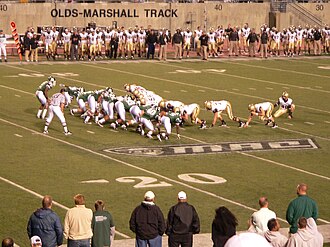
(259, 220)
(247, 239)
(103, 226)
(7, 242)
(77, 224)
(46, 224)
(147, 222)
(302, 206)
(36, 241)
(273, 235)
(307, 235)
(223, 226)
(182, 223)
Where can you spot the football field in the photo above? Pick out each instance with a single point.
(216, 166)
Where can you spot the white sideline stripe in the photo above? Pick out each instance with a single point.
(269, 88)
(18, 96)
(328, 122)
(201, 90)
(91, 132)
(318, 87)
(249, 78)
(290, 124)
(165, 91)
(184, 91)
(309, 123)
(252, 88)
(18, 135)
(276, 69)
(40, 196)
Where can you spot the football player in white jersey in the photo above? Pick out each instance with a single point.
(285, 106)
(141, 42)
(212, 43)
(55, 41)
(217, 107)
(245, 33)
(107, 38)
(197, 34)
(192, 111)
(3, 40)
(129, 43)
(187, 39)
(92, 44)
(48, 39)
(122, 42)
(300, 34)
(276, 44)
(263, 111)
(83, 44)
(285, 41)
(56, 106)
(100, 36)
(42, 95)
(292, 39)
(66, 37)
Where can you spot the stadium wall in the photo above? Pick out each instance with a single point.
(160, 15)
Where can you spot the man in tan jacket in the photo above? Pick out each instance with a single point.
(77, 224)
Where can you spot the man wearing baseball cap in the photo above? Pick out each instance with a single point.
(182, 223)
(147, 222)
(36, 241)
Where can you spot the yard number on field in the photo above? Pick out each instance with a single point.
(150, 182)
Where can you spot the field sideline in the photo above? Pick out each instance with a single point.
(34, 164)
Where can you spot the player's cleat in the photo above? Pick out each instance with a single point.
(223, 123)
(159, 137)
(45, 132)
(68, 133)
(142, 132)
(203, 124)
(87, 122)
(71, 112)
(138, 129)
(124, 127)
(241, 124)
(268, 122)
(166, 137)
(275, 126)
(5, 60)
(99, 124)
(149, 136)
(113, 125)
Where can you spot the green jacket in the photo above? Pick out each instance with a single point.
(102, 223)
(302, 206)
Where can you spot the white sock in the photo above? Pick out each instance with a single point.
(39, 113)
(44, 112)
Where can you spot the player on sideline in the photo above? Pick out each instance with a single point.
(57, 103)
(285, 106)
(263, 111)
(42, 95)
(217, 107)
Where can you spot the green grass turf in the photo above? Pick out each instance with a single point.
(57, 164)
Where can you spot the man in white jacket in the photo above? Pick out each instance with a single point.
(307, 234)
(273, 235)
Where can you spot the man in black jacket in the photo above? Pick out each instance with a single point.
(182, 223)
(46, 224)
(147, 222)
(151, 42)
